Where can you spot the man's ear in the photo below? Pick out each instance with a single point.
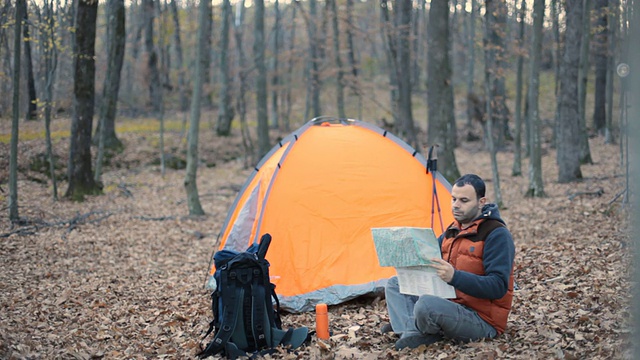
(482, 201)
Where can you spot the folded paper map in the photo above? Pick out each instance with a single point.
(405, 246)
(409, 250)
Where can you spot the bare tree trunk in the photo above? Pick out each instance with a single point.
(338, 59)
(207, 100)
(241, 102)
(422, 49)
(405, 108)
(5, 55)
(391, 54)
(416, 36)
(247, 143)
(321, 35)
(634, 98)
(288, 76)
(517, 154)
(179, 57)
(536, 186)
(440, 89)
(163, 48)
(492, 148)
(81, 181)
(625, 42)
(609, 138)
(51, 63)
(453, 32)
(557, 54)
(137, 23)
(225, 106)
(190, 180)
(5, 86)
(14, 215)
(496, 15)
(275, 71)
(112, 81)
(600, 55)
(568, 155)
(261, 79)
(353, 63)
(163, 80)
(32, 107)
(315, 57)
(115, 50)
(491, 54)
(585, 156)
(471, 58)
(152, 56)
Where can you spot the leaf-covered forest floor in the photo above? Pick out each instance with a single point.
(121, 275)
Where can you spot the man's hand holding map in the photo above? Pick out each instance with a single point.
(409, 250)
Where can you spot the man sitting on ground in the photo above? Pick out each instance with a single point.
(477, 260)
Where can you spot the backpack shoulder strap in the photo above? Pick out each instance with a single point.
(484, 229)
(229, 319)
(258, 310)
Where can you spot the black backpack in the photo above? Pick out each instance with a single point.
(245, 320)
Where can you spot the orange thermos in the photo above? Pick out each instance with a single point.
(322, 322)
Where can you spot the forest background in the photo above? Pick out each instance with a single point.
(546, 80)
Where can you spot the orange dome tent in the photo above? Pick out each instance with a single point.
(318, 193)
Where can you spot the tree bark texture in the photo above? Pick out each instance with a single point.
(536, 186)
(15, 120)
(32, 106)
(491, 52)
(517, 153)
(314, 59)
(207, 90)
(583, 75)
(634, 113)
(391, 55)
(241, 103)
(225, 106)
(287, 101)
(111, 87)
(568, 136)
(471, 59)
(81, 181)
(405, 109)
(152, 56)
(352, 75)
(440, 90)
(609, 137)
(179, 56)
(51, 64)
(261, 79)
(274, 119)
(338, 59)
(191, 179)
(600, 50)
(496, 16)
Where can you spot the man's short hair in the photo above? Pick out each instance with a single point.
(473, 180)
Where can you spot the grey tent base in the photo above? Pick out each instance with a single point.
(333, 295)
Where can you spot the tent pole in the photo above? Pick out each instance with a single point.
(432, 166)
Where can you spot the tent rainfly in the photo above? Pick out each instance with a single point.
(318, 193)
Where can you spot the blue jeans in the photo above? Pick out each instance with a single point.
(434, 316)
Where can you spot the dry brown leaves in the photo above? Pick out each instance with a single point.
(126, 280)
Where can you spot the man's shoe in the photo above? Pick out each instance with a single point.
(413, 340)
(386, 328)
